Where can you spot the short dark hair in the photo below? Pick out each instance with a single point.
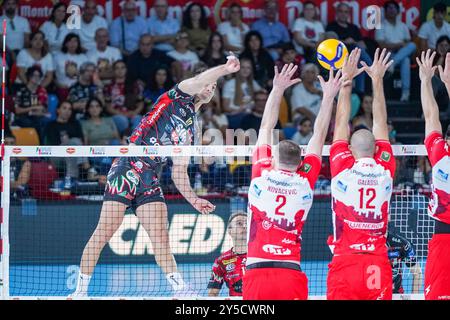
(69, 37)
(235, 215)
(388, 3)
(303, 120)
(33, 69)
(289, 153)
(236, 5)
(56, 7)
(442, 39)
(440, 7)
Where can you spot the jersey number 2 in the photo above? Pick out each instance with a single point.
(279, 199)
(371, 193)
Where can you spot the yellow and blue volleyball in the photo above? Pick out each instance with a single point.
(331, 54)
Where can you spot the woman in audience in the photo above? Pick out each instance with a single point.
(440, 92)
(36, 54)
(215, 51)
(364, 118)
(233, 30)
(67, 64)
(124, 101)
(159, 83)
(238, 92)
(55, 27)
(262, 61)
(195, 24)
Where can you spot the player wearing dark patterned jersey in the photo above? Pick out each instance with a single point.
(229, 267)
(437, 269)
(361, 187)
(401, 251)
(280, 197)
(132, 182)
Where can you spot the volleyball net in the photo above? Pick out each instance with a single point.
(47, 221)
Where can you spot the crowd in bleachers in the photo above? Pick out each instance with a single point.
(92, 85)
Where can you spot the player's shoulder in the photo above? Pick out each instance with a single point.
(227, 257)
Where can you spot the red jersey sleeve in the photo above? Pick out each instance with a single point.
(341, 158)
(310, 168)
(385, 156)
(217, 274)
(262, 160)
(437, 147)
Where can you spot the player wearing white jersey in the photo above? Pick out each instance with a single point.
(437, 270)
(280, 196)
(361, 188)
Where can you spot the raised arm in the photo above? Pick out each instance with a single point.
(196, 84)
(445, 73)
(376, 71)
(349, 72)
(281, 81)
(330, 89)
(429, 104)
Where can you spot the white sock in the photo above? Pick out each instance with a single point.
(176, 281)
(83, 282)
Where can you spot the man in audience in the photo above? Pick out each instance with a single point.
(103, 55)
(186, 57)
(233, 30)
(274, 33)
(17, 27)
(304, 132)
(349, 34)
(126, 30)
(90, 23)
(162, 27)
(394, 36)
(431, 30)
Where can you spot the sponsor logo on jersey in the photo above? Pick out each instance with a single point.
(228, 261)
(17, 150)
(306, 167)
(307, 197)
(132, 177)
(139, 165)
(182, 112)
(388, 188)
(70, 150)
(341, 186)
(266, 225)
(189, 121)
(230, 267)
(441, 175)
(46, 151)
(257, 190)
(385, 156)
(363, 247)
(288, 241)
(276, 250)
(364, 225)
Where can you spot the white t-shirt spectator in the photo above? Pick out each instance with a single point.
(54, 35)
(187, 59)
(15, 30)
(111, 54)
(87, 31)
(234, 34)
(64, 64)
(25, 60)
(430, 32)
(229, 91)
(303, 98)
(392, 33)
(302, 140)
(310, 30)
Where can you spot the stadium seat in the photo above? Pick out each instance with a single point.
(53, 102)
(26, 136)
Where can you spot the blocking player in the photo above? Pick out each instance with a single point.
(401, 251)
(437, 269)
(280, 197)
(133, 182)
(361, 187)
(229, 267)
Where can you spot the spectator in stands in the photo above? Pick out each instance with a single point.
(431, 30)
(304, 132)
(233, 30)
(274, 33)
(289, 55)
(55, 29)
(394, 36)
(162, 27)
(67, 63)
(104, 55)
(35, 54)
(18, 28)
(215, 51)
(159, 83)
(307, 95)
(351, 36)
(20, 171)
(364, 117)
(87, 87)
(65, 130)
(307, 31)
(144, 62)
(126, 31)
(97, 128)
(30, 102)
(195, 24)
(123, 99)
(439, 90)
(261, 59)
(90, 23)
(182, 54)
(214, 122)
(238, 93)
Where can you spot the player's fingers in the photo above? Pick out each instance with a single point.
(386, 58)
(295, 81)
(418, 62)
(293, 70)
(389, 64)
(432, 58)
(283, 71)
(331, 75)
(322, 82)
(441, 71)
(275, 70)
(377, 54)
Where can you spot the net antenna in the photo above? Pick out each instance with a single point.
(2, 147)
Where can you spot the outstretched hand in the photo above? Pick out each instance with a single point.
(380, 64)
(331, 87)
(233, 65)
(282, 80)
(425, 63)
(350, 69)
(203, 206)
(444, 74)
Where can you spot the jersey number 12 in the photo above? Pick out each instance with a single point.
(365, 201)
